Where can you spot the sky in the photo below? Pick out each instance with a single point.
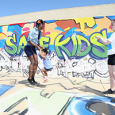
(15, 7)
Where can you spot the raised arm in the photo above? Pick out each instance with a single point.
(103, 40)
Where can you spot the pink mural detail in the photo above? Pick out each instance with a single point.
(47, 33)
(26, 29)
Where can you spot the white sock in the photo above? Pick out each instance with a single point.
(45, 76)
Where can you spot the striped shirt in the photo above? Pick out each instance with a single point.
(47, 63)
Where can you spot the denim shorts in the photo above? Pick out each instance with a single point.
(30, 50)
(48, 69)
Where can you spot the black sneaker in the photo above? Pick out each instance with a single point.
(34, 81)
(109, 91)
(31, 81)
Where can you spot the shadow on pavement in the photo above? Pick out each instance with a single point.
(25, 82)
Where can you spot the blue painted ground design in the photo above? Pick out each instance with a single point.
(78, 104)
(4, 88)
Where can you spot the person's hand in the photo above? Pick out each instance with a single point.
(42, 47)
(38, 48)
(44, 57)
(98, 37)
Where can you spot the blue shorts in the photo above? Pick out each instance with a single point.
(48, 69)
(30, 50)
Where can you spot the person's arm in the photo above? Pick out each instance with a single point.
(40, 46)
(42, 55)
(103, 40)
(30, 42)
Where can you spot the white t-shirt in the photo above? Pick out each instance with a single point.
(111, 47)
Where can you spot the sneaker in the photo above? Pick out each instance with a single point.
(109, 91)
(31, 81)
(34, 81)
(45, 79)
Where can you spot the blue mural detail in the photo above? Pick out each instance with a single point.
(1, 29)
(4, 88)
(111, 17)
(70, 32)
(58, 28)
(85, 25)
(94, 26)
(50, 21)
(78, 105)
(16, 29)
(98, 17)
(2, 43)
(51, 47)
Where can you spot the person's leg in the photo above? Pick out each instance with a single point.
(30, 51)
(110, 74)
(46, 76)
(113, 78)
(31, 68)
(44, 72)
(35, 67)
(111, 69)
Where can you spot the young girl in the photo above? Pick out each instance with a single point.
(111, 57)
(47, 64)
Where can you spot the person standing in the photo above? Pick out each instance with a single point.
(111, 57)
(31, 47)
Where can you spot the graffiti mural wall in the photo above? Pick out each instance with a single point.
(73, 48)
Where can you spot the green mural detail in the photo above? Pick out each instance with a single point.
(88, 46)
(46, 40)
(60, 44)
(96, 43)
(22, 43)
(11, 45)
(73, 37)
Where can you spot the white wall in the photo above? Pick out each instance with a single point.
(77, 12)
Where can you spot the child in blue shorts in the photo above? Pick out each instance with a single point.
(47, 64)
